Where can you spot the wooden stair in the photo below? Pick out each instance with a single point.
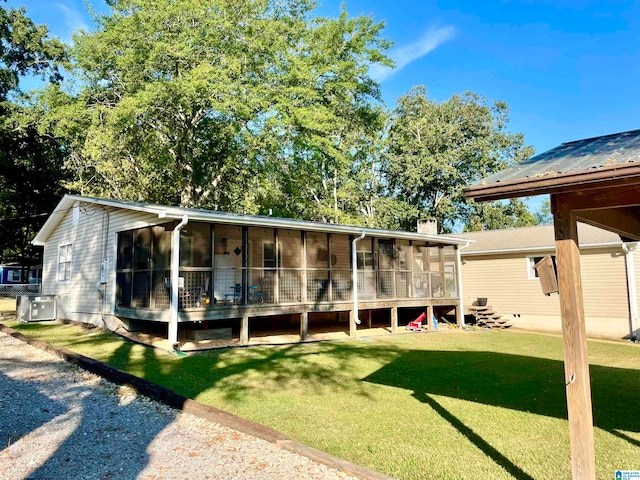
(487, 317)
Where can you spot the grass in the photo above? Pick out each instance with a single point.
(483, 404)
(7, 305)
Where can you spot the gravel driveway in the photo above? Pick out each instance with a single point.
(58, 421)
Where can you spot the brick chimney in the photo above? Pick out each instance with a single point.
(428, 226)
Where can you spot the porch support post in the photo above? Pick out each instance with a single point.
(629, 249)
(576, 366)
(175, 282)
(394, 319)
(304, 325)
(352, 322)
(460, 306)
(244, 330)
(369, 319)
(429, 317)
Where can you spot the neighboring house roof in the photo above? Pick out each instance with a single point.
(201, 215)
(532, 239)
(578, 162)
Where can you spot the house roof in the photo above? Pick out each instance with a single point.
(532, 239)
(579, 162)
(201, 215)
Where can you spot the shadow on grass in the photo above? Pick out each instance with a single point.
(255, 368)
(527, 384)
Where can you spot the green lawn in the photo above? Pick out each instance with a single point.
(452, 405)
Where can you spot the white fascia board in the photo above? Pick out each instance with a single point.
(548, 248)
(195, 215)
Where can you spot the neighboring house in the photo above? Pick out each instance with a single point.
(499, 266)
(139, 265)
(15, 274)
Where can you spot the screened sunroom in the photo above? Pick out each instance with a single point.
(267, 273)
(229, 265)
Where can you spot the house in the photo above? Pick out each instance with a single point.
(499, 266)
(12, 273)
(184, 271)
(20, 273)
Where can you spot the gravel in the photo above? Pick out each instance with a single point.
(58, 421)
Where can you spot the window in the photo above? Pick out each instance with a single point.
(15, 276)
(364, 260)
(269, 254)
(64, 262)
(532, 274)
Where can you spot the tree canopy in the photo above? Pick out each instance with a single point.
(232, 105)
(30, 162)
(436, 149)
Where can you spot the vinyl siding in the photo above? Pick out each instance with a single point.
(79, 298)
(503, 279)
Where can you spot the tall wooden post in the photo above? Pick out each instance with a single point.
(576, 366)
(394, 319)
(304, 325)
(244, 330)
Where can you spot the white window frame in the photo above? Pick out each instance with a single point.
(13, 277)
(531, 261)
(65, 258)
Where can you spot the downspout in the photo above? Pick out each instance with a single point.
(175, 281)
(459, 279)
(354, 271)
(631, 286)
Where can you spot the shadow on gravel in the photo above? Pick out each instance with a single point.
(105, 435)
(23, 409)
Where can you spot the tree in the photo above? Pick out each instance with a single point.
(30, 162)
(235, 105)
(499, 215)
(435, 149)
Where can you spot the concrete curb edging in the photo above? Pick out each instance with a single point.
(187, 405)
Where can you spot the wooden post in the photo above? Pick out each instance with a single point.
(304, 325)
(394, 319)
(460, 306)
(244, 330)
(369, 319)
(352, 323)
(429, 317)
(576, 366)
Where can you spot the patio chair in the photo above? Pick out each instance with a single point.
(255, 294)
(236, 295)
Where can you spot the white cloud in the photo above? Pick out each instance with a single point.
(406, 54)
(73, 20)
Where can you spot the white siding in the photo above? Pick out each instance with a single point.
(503, 280)
(80, 297)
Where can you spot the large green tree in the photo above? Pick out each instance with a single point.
(30, 161)
(436, 149)
(236, 105)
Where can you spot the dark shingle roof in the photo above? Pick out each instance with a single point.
(585, 155)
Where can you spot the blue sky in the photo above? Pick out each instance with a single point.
(567, 69)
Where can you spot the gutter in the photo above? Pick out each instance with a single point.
(460, 312)
(175, 281)
(354, 273)
(628, 249)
